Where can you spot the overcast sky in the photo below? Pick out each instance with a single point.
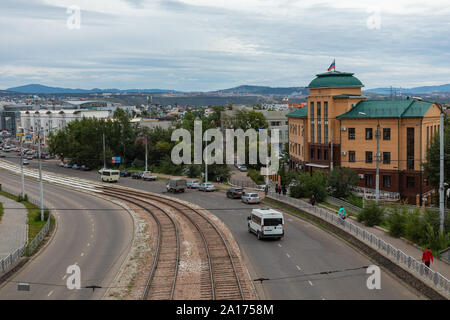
(218, 44)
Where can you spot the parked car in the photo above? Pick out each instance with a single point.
(76, 167)
(261, 187)
(235, 193)
(176, 185)
(85, 168)
(61, 164)
(68, 165)
(29, 157)
(137, 175)
(125, 173)
(193, 184)
(242, 168)
(206, 187)
(250, 198)
(148, 176)
(25, 162)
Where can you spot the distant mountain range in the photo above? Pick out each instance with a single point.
(244, 89)
(40, 89)
(416, 90)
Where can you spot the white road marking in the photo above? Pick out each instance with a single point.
(280, 245)
(82, 254)
(65, 276)
(88, 244)
(288, 255)
(50, 293)
(311, 283)
(299, 268)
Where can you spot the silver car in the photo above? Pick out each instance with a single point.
(206, 187)
(250, 198)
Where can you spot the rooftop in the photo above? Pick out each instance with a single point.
(387, 109)
(335, 79)
(299, 113)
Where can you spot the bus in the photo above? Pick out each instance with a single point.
(266, 223)
(110, 175)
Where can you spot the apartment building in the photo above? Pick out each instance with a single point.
(339, 120)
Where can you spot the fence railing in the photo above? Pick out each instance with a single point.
(339, 202)
(13, 258)
(419, 269)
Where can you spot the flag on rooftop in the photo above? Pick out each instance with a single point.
(332, 66)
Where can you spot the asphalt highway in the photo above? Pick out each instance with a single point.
(95, 240)
(306, 249)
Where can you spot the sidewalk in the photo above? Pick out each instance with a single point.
(409, 249)
(13, 226)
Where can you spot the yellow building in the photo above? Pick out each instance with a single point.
(339, 120)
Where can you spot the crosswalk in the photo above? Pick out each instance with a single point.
(72, 182)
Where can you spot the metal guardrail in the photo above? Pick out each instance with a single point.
(347, 205)
(12, 259)
(419, 269)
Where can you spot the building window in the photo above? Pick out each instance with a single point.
(369, 180)
(410, 182)
(312, 110)
(369, 133)
(312, 153)
(319, 133)
(386, 157)
(325, 133)
(351, 156)
(351, 134)
(368, 156)
(319, 111)
(386, 181)
(319, 154)
(312, 132)
(428, 136)
(410, 148)
(325, 154)
(386, 133)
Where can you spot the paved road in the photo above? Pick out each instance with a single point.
(305, 249)
(96, 240)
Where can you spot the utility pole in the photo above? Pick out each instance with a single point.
(206, 158)
(331, 147)
(21, 167)
(146, 153)
(41, 187)
(104, 152)
(441, 174)
(377, 177)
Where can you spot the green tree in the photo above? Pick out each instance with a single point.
(342, 180)
(372, 214)
(308, 185)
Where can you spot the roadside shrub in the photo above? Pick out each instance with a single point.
(435, 239)
(372, 214)
(341, 181)
(194, 171)
(415, 227)
(307, 185)
(37, 217)
(396, 222)
(255, 176)
(354, 200)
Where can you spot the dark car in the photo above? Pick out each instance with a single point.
(235, 193)
(85, 168)
(76, 167)
(125, 173)
(137, 175)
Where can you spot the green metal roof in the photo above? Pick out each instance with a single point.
(335, 79)
(299, 113)
(387, 109)
(343, 96)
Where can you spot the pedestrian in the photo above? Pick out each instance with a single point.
(342, 214)
(279, 190)
(313, 200)
(266, 190)
(427, 257)
(284, 190)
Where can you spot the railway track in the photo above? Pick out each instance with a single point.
(220, 279)
(163, 276)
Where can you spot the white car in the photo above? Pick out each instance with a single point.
(206, 187)
(193, 184)
(250, 198)
(266, 223)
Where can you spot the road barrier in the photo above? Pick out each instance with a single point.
(13, 258)
(418, 269)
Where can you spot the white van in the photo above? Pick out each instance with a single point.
(266, 223)
(109, 175)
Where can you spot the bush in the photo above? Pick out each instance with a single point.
(194, 171)
(415, 227)
(396, 222)
(255, 176)
(341, 180)
(354, 200)
(308, 185)
(37, 217)
(372, 214)
(435, 239)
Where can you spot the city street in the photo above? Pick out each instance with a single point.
(305, 249)
(91, 233)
